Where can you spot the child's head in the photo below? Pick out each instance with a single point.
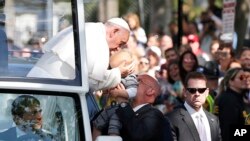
(119, 57)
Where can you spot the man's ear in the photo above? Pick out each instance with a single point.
(184, 92)
(207, 92)
(151, 92)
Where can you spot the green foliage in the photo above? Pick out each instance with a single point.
(175, 5)
(219, 3)
(124, 6)
(194, 11)
(91, 11)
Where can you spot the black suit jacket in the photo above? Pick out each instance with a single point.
(146, 124)
(184, 129)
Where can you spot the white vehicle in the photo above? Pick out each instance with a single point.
(29, 25)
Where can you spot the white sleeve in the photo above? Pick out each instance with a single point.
(142, 38)
(112, 78)
(217, 21)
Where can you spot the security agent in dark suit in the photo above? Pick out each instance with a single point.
(27, 116)
(191, 122)
(212, 73)
(141, 121)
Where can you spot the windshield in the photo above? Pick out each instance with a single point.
(30, 33)
(40, 117)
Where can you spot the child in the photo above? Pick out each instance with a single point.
(123, 92)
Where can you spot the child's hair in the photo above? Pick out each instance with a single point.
(135, 17)
(119, 57)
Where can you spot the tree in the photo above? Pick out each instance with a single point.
(241, 20)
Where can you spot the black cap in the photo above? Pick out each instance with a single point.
(210, 70)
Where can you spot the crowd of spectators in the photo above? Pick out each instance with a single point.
(201, 51)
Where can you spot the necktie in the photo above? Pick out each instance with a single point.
(201, 128)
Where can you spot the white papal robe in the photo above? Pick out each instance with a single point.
(58, 60)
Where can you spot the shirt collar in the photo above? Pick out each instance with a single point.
(191, 110)
(138, 107)
(19, 132)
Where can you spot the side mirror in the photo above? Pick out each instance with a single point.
(108, 138)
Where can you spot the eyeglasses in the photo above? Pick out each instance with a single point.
(143, 63)
(194, 90)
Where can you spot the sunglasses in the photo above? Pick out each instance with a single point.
(191, 41)
(194, 90)
(221, 53)
(244, 77)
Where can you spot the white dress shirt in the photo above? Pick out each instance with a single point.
(194, 115)
(19, 132)
(139, 107)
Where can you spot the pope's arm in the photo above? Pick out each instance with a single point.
(111, 79)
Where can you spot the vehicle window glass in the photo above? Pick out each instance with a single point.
(31, 38)
(42, 117)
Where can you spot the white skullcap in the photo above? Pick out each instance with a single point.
(156, 50)
(119, 21)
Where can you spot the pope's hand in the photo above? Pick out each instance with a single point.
(126, 69)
